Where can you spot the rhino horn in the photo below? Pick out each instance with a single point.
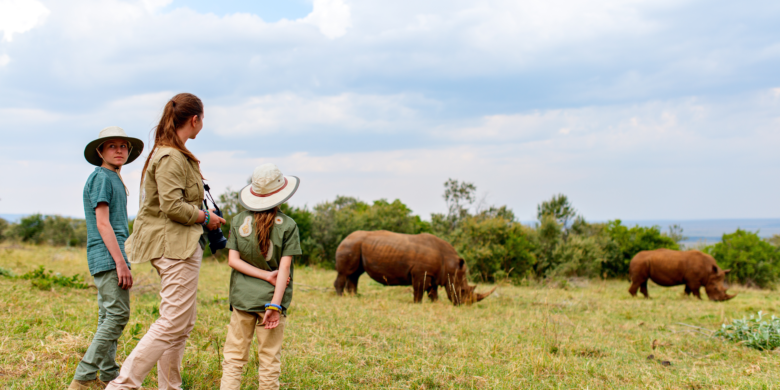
(480, 297)
(729, 297)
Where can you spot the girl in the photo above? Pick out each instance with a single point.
(262, 243)
(168, 233)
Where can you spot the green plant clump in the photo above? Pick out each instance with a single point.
(754, 332)
(46, 280)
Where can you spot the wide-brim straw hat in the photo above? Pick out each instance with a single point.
(112, 132)
(269, 188)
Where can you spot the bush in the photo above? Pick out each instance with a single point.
(627, 242)
(494, 247)
(3, 229)
(578, 256)
(44, 280)
(755, 333)
(29, 229)
(752, 260)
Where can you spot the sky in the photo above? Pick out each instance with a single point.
(635, 109)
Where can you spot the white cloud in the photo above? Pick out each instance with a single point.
(19, 16)
(345, 112)
(154, 5)
(332, 17)
(4, 60)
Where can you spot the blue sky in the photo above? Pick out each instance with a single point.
(635, 109)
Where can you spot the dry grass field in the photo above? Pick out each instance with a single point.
(586, 335)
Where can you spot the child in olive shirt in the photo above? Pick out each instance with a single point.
(105, 209)
(262, 243)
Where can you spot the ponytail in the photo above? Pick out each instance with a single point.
(264, 223)
(176, 113)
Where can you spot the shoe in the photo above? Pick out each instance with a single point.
(80, 385)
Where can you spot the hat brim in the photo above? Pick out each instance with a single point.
(92, 156)
(256, 203)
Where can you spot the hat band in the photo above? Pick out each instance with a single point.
(270, 193)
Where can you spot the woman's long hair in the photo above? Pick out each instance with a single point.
(176, 113)
(264, 223)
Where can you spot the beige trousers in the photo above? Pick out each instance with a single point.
(164, 343)
(269, 350)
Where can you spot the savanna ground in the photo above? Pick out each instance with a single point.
(588, 334)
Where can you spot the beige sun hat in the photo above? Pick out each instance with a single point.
(111, 132)
(269, 188)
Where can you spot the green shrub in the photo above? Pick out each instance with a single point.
(577, 256)
(44, 280)
(3, 229)
(752, 260)
(754, 332)
(549, 235)
(495, 248)
(29, 229)
(627, 242)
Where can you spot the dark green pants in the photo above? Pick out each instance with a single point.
(113, 313)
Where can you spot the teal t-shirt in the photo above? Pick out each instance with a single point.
(104, 185)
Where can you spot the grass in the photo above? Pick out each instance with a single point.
(591, 334)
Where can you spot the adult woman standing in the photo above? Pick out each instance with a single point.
(168, 233)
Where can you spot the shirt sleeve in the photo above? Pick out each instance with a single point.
(100, 190)
(171, 175)
(232, 241)
(292, 243)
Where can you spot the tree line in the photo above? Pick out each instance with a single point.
(496, 246)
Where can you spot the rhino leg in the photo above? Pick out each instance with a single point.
(341, 281)
(634, 287)
(694, 287)
(687, 290)
(352, 282)
(643, 289)
(433, 292)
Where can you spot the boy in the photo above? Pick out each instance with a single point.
(105, 209)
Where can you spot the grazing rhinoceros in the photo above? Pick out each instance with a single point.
(668, 267)
(423, 261)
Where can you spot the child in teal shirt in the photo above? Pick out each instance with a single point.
(105, 209)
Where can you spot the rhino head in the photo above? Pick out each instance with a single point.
(459, 291)
(716, 290)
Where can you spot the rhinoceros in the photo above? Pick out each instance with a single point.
(423, 261)
(668, 267)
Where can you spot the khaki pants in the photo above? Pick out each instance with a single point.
(239, 338)
(164, 343)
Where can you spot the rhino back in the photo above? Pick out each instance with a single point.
(670, 268)
(391, 258)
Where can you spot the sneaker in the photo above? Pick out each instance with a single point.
(80, 385)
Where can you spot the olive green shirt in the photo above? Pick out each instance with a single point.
(251, 294)
(171, 196)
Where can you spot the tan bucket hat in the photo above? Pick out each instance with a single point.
(269, 188)
(91, 152)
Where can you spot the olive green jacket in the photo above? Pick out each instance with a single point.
(171, 195)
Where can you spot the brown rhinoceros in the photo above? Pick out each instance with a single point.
(423, 261)
(668, 267)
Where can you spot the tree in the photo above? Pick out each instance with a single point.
(752, 260)
(29, 229)
(3, 229)
(458, 196)
(559, 208)
(676, 233)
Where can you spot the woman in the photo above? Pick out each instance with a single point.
(168, 233)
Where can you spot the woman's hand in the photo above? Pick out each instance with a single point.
(272, 278)
(215, 221)
(271, 319)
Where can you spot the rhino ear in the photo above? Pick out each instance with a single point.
(725, 271)
(714, 269)
(461, 263)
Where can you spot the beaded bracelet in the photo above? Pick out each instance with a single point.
(273, 306)
(208, 218)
